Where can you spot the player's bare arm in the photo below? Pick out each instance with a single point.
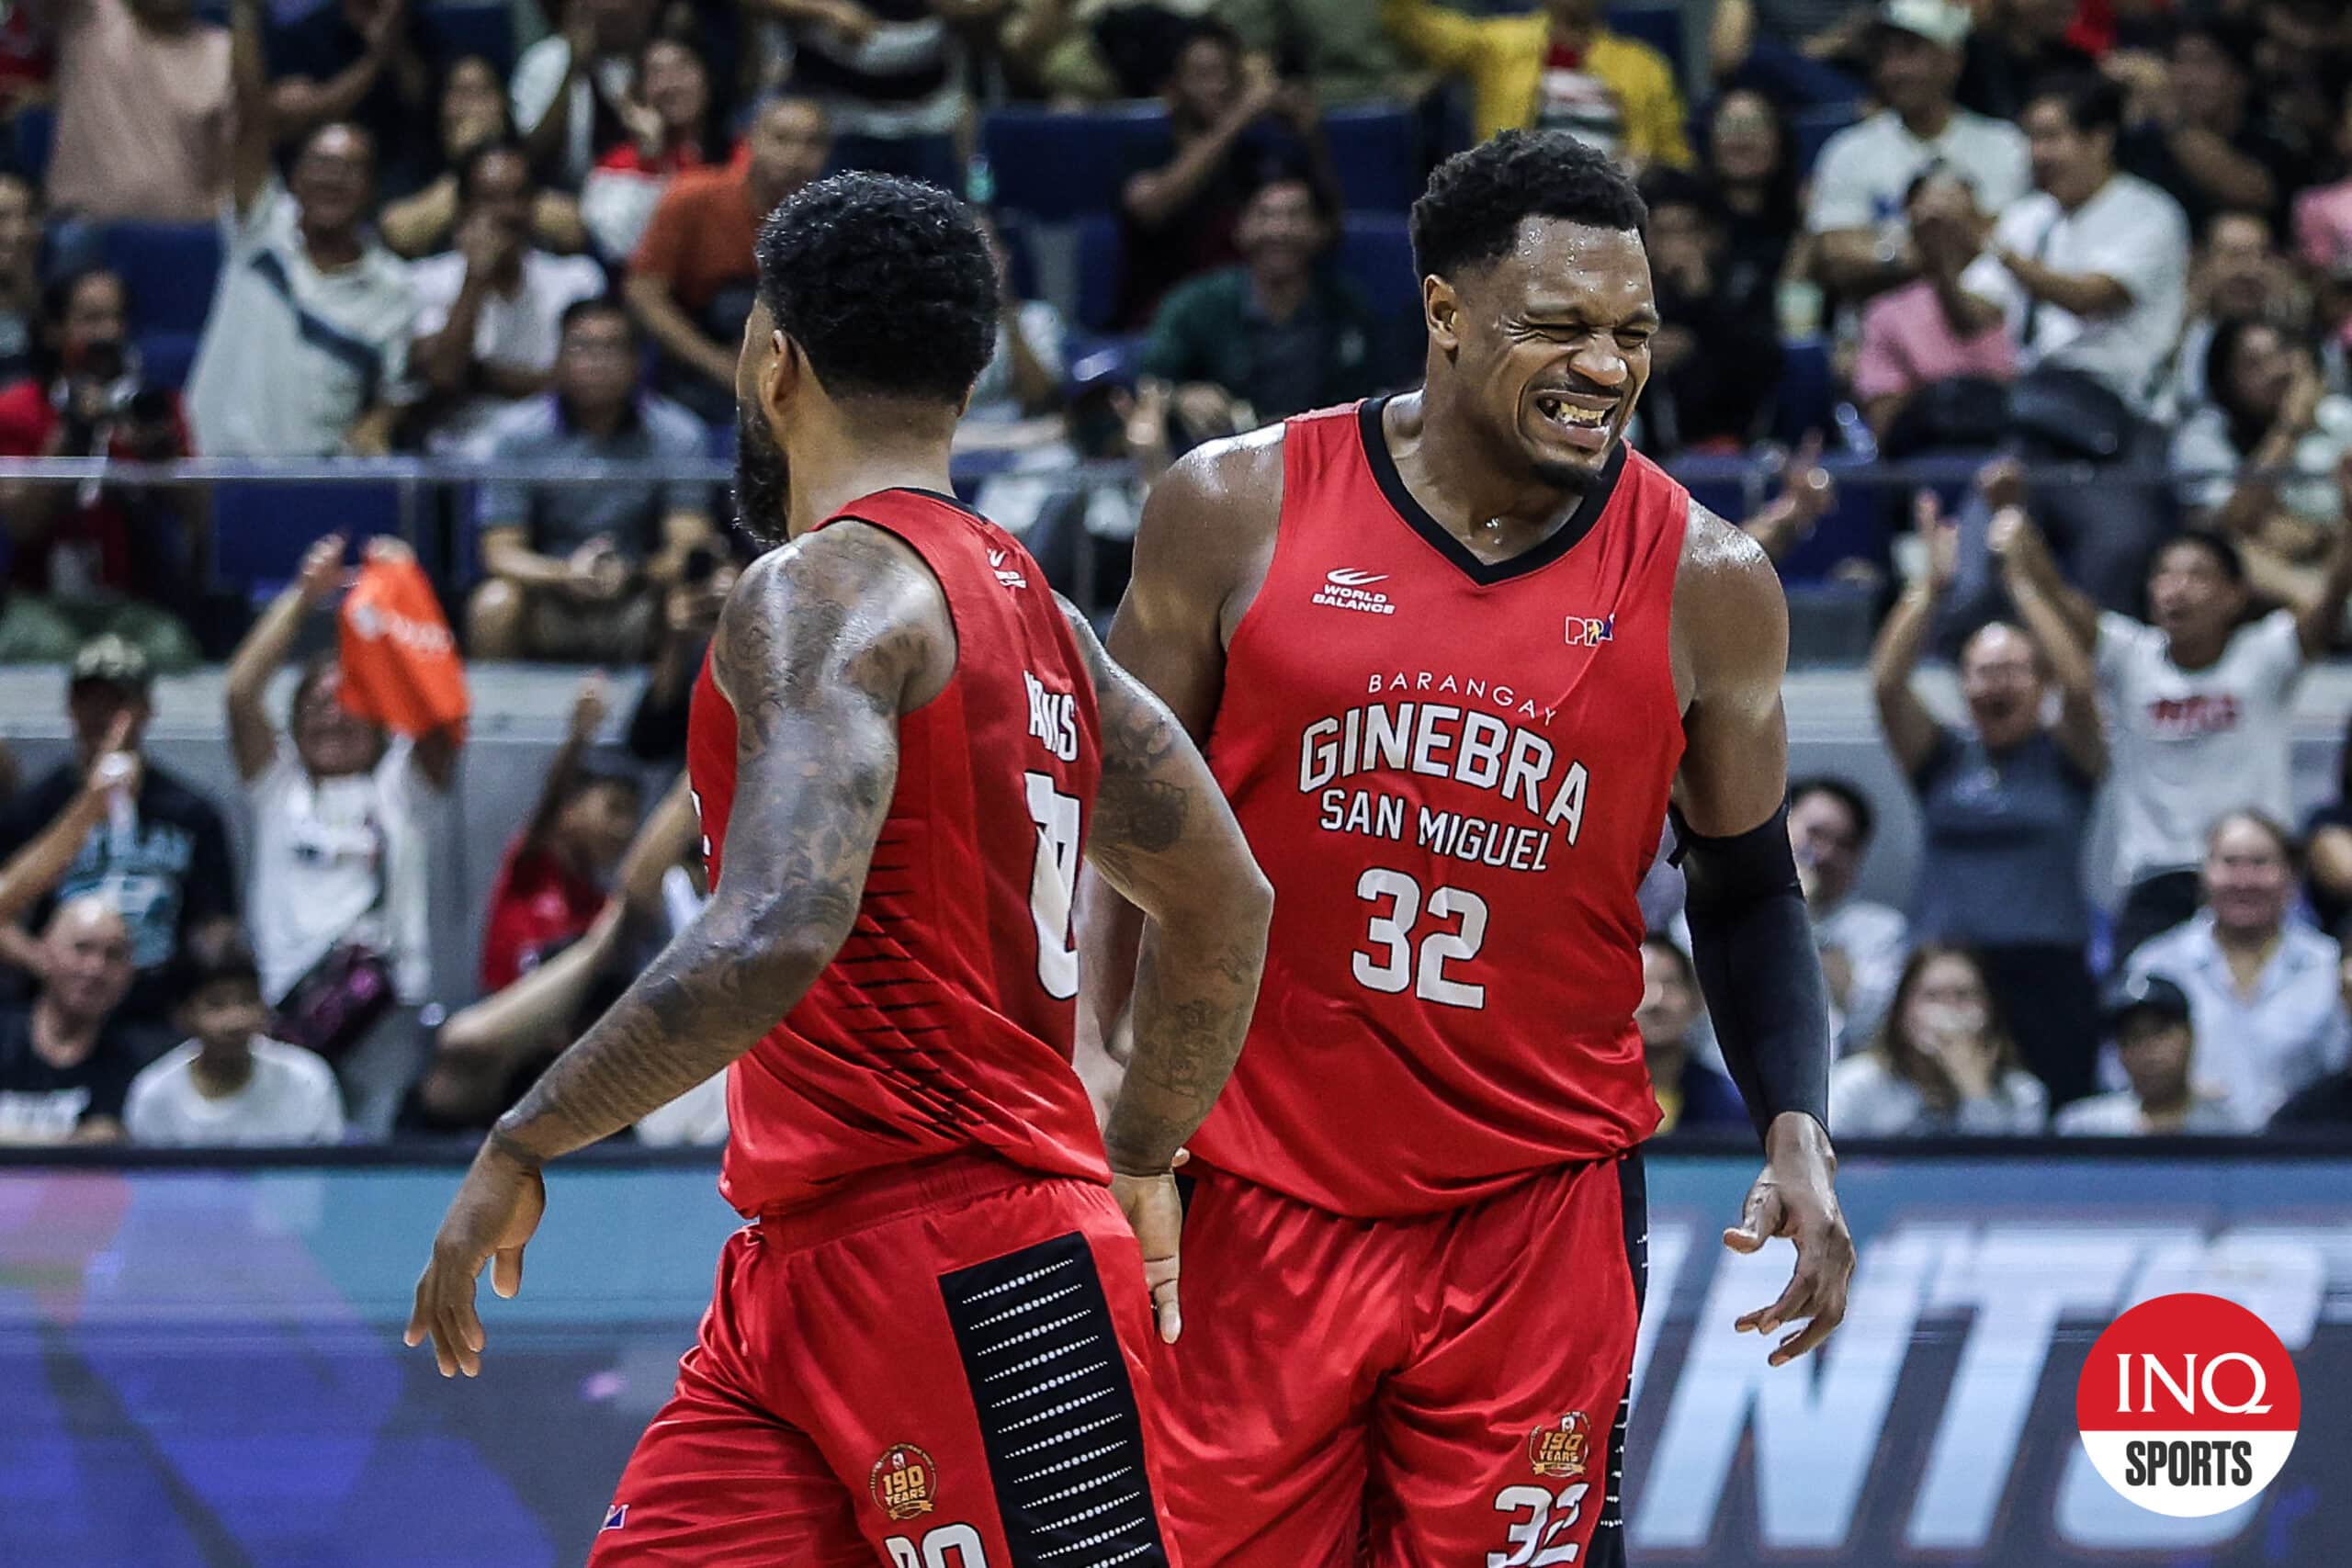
(824, 644)
(1165, 841)
(1202, 548)
(1749, 936)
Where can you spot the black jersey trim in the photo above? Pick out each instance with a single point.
(1608, 1548)
(1485, 573)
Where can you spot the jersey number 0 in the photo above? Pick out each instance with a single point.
(1052, 884)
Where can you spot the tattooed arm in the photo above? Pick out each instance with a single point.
(1164, 840)
(820, 649)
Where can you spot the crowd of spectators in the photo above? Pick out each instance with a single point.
(2026, 234)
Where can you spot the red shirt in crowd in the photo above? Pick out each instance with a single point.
(95, 535)
(536, 905)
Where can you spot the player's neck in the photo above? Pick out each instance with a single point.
(827, 481)
(1467, 489)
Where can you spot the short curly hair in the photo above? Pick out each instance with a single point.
(1470, 214)
(886, 283)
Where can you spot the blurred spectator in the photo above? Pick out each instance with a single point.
(473, 114)
(1807, 493)
(27, 63)
(229, 1084)
(1337, 48)
(690, 606)
(2006, 802)
(2328, 1102)
(162, 862)
(1858, 183)
(1716, 358)
(309, 333)
(489, 312)
(2148, 1019)
(1794, 52)
(1929, 369)
(2323, 212)
(1278, 335)
(2199, 138)
(568, 88)
(2240, 273)
(1750, 159)
(94, 557)
(2016, 45)
(20, 307)
(672, 129)
(2258, 460)
(2263, 990)
(1023, 378)
(691, 280)
(577, 571)
(363, 62)
(1943, 1064)
(339, 843)
(1861, 942)
(143, 109)
(1231, 123)
(2197, 709)
(2327, 849)
(1560, 68)
(1690, 1093)
(67, 1061)
(882, 68)
(551, 883)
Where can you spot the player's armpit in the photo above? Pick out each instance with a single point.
(822, 647)
(1164, 839)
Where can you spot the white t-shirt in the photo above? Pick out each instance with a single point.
(292, 355)
(291, 1098)
(539, 77)
(519, 331)
(2191, 745)
(1864, 169)
(2117, 1115)
(2129, 231)
(321, 851)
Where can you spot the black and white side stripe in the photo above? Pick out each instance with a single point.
(1058, 1413)
(1632, 1194)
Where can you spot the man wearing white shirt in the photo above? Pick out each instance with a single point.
(228, 1085)
(1856, 209)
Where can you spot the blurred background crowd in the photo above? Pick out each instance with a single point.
(2016, 331)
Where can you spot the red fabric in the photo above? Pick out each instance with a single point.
(829, 1361)
(99, 529)
(1500, 1339)
(944, 1022)
(2094, 29)
(630, 158)
(1560, 56)
(1495, 754)
(27, 58)
(535, 905)
(400, 660)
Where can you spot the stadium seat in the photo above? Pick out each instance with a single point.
(455, 31)
(1814, 127)
(1805, 400)
(929, 158)
(1377, 153)
(1059, 166)
(1099, 253)
(1857, 528)
(164, 358)
(260, 530)
(1376, 255)
(170, 270)
(31, 130)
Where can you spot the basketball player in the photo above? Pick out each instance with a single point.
(1452, 654)
(927, 1351)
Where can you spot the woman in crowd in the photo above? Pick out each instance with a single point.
(1944, 1063)
(2006, 801)
(473, 115)
(670, 128)
(341, 841)
(1751, 156)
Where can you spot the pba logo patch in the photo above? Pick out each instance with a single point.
(2188, 1404)
(1586, 632)
(905, 1482)
(615, 1518)
(1560, 1450)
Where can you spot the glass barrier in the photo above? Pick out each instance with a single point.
(200, 1366)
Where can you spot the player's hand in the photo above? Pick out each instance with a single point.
(1796, 1197)
(496, 1209)
(1156, 1213)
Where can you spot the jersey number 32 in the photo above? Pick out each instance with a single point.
(1395, 965)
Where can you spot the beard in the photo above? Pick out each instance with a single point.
(763, 480)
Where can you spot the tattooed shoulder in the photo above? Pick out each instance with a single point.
(1138, 807)
(850, 608)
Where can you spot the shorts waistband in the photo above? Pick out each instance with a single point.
(872, 1198)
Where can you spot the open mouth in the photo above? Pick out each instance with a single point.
(1571, 415)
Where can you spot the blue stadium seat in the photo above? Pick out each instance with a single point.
(457, 30)
(1814, 127)
(30, 131)
(164, 358)
(1805, 400)
(1858, 527)
(1099, 253)
(1377, 153)
(259, 531)
(170, 269)
(931, 158)
(1060, 166)
(1376, 255)
(1660, 27)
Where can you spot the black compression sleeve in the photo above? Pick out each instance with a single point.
(1753, 948)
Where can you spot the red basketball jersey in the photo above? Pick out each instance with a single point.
(1454, 774)
(944, 1023)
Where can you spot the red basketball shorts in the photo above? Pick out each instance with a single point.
(1444, 1392)
(940, 1369)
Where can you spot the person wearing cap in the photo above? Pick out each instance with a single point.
(2263, 991)
(161, 858)
(1856, 207)
(2148, 1021)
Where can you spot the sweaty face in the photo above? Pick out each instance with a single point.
(2247, 879)
(2002, 685)
(762, 479)
(2190, 597)
(1668, 1004)
(1554, 340)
